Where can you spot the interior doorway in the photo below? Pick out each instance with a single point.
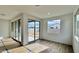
(33, 30)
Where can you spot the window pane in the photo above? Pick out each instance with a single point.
(77, 25)
(13, 29)
(36, 30)
(53, 26)
(16, 29)
(19, 30)
(31, 31)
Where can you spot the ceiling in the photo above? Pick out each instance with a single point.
(7, 12)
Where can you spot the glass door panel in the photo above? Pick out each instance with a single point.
(36, 30)
(77, 25)
(30, 31)
(16, 30)
(19, 30)
(13, 29)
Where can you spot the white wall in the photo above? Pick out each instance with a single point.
(25, 32)
(4, 28)
(66, 34)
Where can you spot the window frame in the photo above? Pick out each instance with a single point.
(76, 29)
(56, 28)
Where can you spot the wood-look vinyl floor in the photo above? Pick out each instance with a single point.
(53, 47)
(56, 47)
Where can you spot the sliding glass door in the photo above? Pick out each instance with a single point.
(16, 30)
(33, 30)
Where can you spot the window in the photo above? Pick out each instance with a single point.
(53, 26)
(77, 25)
